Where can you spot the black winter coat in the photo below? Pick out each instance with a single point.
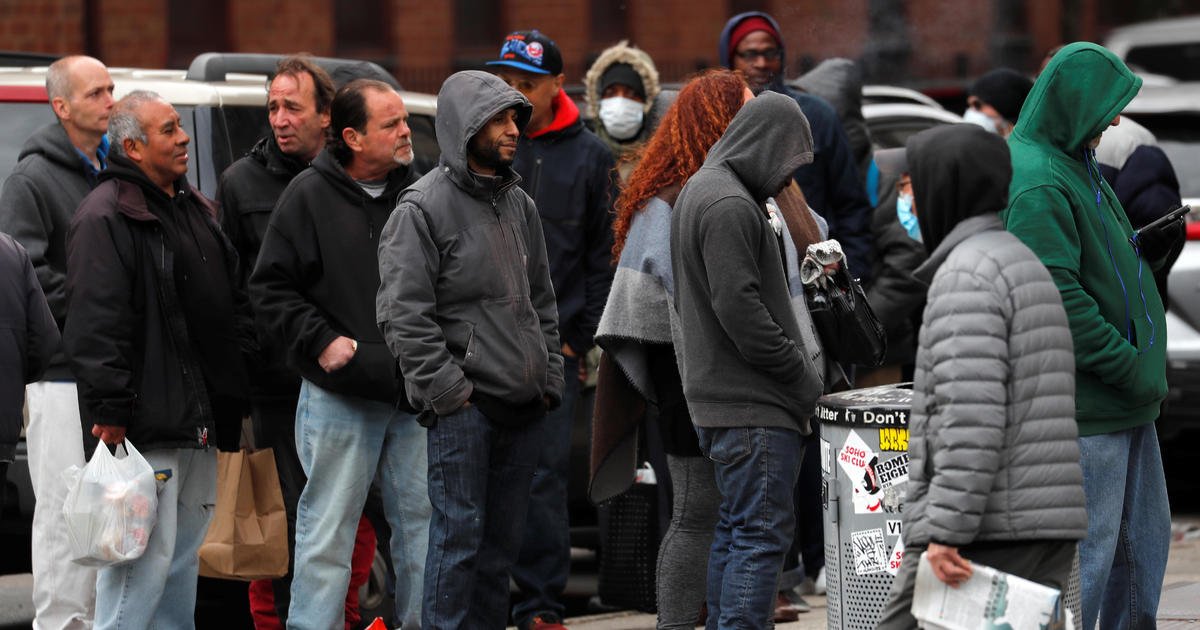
(249, 189)
(28, 338)
(570, 175)
(317, 275)
(128, 339)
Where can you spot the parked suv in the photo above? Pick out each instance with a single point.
(221, 100)
(1173, 115)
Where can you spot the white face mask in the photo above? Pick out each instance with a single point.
(621, 117)
(976, 117)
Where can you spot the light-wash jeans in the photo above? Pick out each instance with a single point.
(64, 593)
(1123, 560)
(159, 589)
(344, 443)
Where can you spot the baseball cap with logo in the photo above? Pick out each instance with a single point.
(530, 51)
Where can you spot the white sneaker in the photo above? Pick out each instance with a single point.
(819, 584)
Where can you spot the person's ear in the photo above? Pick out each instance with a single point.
(133, 149)
(558, 81)
(352, 139)
(324, 118)
(61, 108)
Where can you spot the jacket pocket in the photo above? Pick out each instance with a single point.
(471, 355)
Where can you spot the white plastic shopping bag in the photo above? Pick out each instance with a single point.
(111, 507)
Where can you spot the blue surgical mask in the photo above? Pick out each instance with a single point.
(908, 220)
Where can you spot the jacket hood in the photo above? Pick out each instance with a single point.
(723, 51)
(1081, 90)
(466, 102)
(334, 173)
(621, 53)
(839, 81)
(266, 152)
(958, 171)
(754, 148)
(52, 142)
(136, 207)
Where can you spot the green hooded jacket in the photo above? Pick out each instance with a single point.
(1064, 211)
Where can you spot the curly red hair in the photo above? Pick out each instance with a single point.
(693, 123)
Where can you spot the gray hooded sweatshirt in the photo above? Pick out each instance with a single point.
(743, 362)
(465, 299)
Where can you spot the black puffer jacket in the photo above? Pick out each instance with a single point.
(317, 275)
(129, 343)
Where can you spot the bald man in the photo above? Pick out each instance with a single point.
(58, 166)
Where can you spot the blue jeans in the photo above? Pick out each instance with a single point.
(544, 561)
(344, 443)
(1123, 560)
(757, 469)
(479, 479)
(159, 589)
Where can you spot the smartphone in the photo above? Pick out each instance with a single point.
(1174, 215)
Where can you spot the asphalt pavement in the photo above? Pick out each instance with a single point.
(1178, 608)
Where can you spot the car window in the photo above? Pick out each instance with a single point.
(1180, 60)
(1178, 136)
(18, 121)
(894, 132)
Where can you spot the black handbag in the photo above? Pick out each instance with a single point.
(849, 329)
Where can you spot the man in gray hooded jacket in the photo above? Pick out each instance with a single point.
(749, 380)
(467, 306)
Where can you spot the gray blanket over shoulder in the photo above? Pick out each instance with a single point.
(639, 313)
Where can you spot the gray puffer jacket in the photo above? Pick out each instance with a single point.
(993, 444)
(465, 298)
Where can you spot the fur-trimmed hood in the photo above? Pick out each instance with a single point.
(620, 53)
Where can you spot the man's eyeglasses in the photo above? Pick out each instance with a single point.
(773, 54)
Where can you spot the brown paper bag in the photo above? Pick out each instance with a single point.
(247, 539)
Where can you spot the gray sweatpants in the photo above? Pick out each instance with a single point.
(1046, 562)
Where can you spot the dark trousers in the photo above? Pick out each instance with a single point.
(1044, 562)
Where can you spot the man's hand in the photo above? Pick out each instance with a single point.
(337, 354)
(947, 565)
(581, 373)
(110, 434)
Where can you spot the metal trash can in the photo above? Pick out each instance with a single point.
(864, 479)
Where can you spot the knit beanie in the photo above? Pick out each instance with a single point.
(1004, 89)
(623, 74)
(747, 26)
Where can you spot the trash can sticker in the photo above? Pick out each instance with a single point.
(895, 440)
(870, 554)
(896, 557)
(826, 457)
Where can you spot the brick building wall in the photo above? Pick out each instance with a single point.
(948, 41)
(41, 25)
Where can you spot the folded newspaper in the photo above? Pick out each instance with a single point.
(989, 600)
